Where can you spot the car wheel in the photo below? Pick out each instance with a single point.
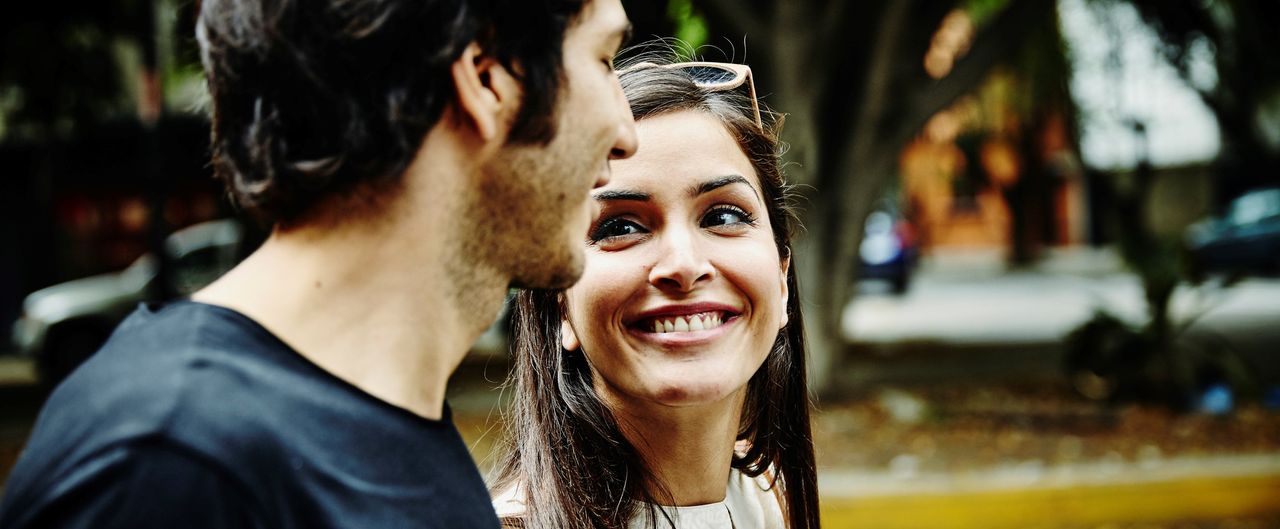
(66, 351)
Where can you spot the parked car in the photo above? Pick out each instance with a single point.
(1246, 239)
(888, 251)
(62, 325)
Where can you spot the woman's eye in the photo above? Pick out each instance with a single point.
(726, 216)
(615, 227)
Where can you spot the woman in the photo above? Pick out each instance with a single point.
(667, 387)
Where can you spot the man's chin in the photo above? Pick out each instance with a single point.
(556, 273)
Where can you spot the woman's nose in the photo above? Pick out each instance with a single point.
(683, 263)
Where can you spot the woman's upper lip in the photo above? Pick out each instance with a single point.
(684, 309)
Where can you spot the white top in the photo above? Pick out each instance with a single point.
(748, 504)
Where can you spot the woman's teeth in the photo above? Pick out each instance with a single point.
(693, 322)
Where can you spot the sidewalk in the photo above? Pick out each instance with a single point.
(963, 296)
(968, 303)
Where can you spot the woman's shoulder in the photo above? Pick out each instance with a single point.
(756, 498)
(510, 505)
(753, 500)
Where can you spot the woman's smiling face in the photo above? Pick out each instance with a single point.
(684, 290)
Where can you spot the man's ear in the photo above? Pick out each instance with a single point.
(568, 338)
(487, 95)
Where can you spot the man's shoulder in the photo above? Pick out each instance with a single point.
(185, 332)
(163, 363)
(185, 379)
(137, 483)
(183, 374)
(221, 393)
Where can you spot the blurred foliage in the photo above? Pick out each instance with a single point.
(66, 68)
(1238, 38)
(61, 64)
(181, 72)
(982, 10)
(690, 26)
(1113, 360)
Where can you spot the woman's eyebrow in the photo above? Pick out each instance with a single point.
(622, 194)
(717, 183)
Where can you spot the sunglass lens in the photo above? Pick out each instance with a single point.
(711, 75)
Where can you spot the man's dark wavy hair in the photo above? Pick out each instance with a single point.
(311, 98)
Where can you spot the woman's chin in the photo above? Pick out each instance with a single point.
(691, 393)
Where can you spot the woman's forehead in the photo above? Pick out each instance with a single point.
(681, 147)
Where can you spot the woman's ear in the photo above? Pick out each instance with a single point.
(568, 338)
(487, 95)
(786, 291)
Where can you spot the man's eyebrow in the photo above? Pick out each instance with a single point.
(636, 196)
(717, 183)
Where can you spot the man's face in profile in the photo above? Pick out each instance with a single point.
(536, 198)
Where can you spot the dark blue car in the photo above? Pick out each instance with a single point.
(1244, 240)
(888, 250)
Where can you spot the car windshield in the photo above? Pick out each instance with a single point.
(1256, 206)
(142, 270)
(879, 222)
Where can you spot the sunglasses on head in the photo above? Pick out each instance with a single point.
(714, 76)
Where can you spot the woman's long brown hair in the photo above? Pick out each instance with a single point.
(567, 454)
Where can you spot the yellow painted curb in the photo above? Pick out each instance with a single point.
(1204, 498)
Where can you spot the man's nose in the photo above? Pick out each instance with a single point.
(625, 141)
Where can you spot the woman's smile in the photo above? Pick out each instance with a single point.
(686, 324)
(703, 321)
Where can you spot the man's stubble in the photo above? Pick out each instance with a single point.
(523, 207)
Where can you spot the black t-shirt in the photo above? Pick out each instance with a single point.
(195, 416)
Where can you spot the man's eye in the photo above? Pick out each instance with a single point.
(726, 216)
(615, 227)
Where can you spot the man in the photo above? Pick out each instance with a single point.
(415, 158)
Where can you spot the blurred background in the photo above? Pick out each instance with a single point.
(1041, 256)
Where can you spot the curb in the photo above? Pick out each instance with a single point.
(1191, 488)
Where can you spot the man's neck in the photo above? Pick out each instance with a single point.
(360, 303)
